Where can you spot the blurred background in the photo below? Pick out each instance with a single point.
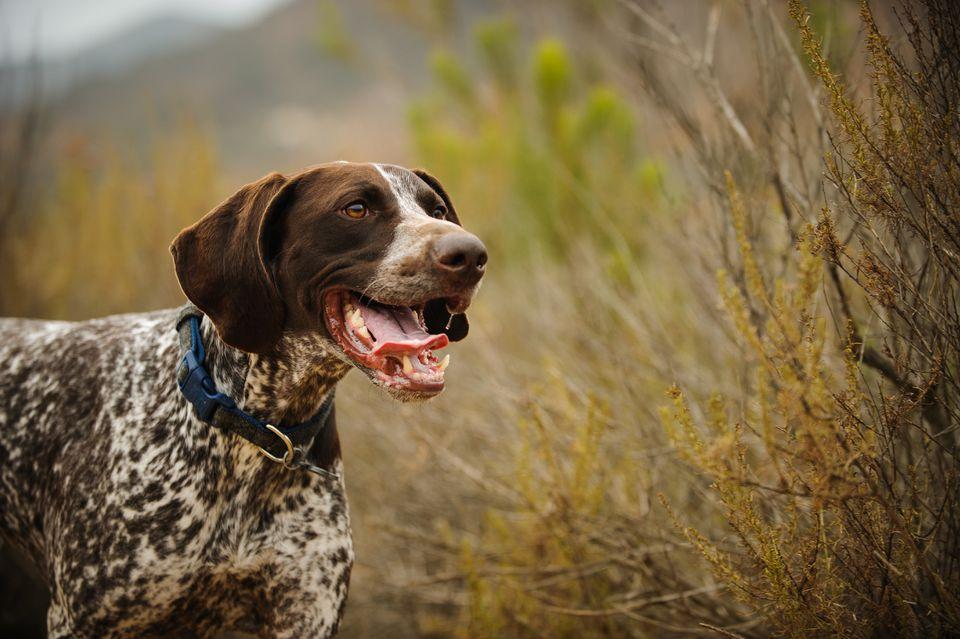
(690, 403)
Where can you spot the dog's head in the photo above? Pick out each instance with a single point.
(371, 258)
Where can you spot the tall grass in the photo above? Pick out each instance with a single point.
(813, 493)
(550, 421)
(96, 241)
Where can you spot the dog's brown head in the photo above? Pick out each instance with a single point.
(370, 257)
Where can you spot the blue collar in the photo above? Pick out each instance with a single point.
(281, 444)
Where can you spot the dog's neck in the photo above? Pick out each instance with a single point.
(284, 387)
(292, 382)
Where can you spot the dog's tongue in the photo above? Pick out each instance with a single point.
(395, 329)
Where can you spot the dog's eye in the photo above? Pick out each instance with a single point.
(355, 211)
(440, 212)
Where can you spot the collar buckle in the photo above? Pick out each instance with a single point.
(199, 388)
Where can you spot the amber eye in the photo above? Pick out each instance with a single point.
(440, 212)
(355, 211)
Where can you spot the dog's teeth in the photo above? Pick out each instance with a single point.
(407, 366)
(444, 362)
(363, 332)
(355, 319)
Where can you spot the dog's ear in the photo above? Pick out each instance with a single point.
(221, 265)
(434, 184)
(435, 314)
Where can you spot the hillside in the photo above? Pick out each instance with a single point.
(272, 94)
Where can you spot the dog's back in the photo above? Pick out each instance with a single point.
(33, 386)
(60, 383)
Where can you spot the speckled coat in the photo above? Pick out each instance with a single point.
(147, 522)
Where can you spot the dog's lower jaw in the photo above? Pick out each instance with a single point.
(409, 397)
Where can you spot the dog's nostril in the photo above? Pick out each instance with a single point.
(454, 260)
(461, 253)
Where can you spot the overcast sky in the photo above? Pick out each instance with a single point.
(57, 28)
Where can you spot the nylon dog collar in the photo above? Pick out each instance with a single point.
(281, 444)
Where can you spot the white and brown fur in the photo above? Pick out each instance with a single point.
(145, 521)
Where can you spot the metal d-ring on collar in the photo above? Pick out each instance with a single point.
(294, 457)
(282, 445)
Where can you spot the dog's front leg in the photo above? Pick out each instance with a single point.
(309, 601)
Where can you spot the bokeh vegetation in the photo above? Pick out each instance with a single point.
(711, 383)
(562, 157)
(96, 241)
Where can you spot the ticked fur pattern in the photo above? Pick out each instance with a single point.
(147, 522)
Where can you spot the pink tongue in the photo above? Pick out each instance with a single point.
(396, 329)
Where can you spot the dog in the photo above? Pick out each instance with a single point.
(177, 473)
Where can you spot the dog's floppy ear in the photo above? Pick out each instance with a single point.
(435, 314)
(434, 184)
(220, 263)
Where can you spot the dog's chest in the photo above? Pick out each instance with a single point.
(290, 535)
(305, 517)
(227, 542)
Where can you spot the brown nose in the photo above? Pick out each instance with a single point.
(462, 255)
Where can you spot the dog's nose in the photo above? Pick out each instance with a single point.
(462, 254)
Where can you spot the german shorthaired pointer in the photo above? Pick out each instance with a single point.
(177, 473)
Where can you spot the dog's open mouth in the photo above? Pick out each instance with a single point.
(391, 342)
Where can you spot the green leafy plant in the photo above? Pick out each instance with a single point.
(560, 155)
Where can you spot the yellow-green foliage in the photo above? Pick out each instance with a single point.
(97, 242)
(570, 542)
(795, 466)
(559, 155)
(814, 490)
(544, 553)
(835, 465)
(831, 526)
(333, 38)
